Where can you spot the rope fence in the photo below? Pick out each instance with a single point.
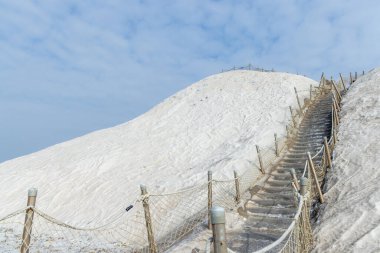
(154, 222)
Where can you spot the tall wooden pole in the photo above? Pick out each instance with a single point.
(148, 220)
(291, 114)
(327, 152)
(276, 145)
(209, 198)
(260, 159)
(298, 100)
(341, 79)
(237, 187)
(311, 164)
(27, 232)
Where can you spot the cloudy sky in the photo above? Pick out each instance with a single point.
(71, 67)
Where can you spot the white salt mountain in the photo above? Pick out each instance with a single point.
(350, 221)
(213, 124)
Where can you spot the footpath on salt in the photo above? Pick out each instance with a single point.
(350, 219)
(213, 124)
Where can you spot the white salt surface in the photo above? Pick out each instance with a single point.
(350, 221)
(213, 124)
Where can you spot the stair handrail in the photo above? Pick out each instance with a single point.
(289, 229)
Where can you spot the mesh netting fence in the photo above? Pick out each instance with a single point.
(171, 216)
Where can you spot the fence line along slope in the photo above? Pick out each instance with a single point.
(212, 125)
(270, 211)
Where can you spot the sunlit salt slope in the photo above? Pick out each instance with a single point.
(212, 124)
(350, 221)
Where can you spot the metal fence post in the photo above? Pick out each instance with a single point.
(148, 220)
(27, 232)
(209, 197)
(237, 187)
(218, 220)
(311, 165)
(303, 182)
(260, 160)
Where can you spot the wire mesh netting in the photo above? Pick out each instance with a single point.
(172, 215)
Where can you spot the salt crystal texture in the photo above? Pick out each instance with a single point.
(350, 221)
(213, 124)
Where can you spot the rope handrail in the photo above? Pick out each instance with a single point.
(289, 229)
(63, 224)
(8, 216)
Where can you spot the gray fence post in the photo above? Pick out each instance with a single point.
(209, 197)
(148, 220)
(218, 220)
(237, 187)
(303, 182)
(27, 232)
(260, 160)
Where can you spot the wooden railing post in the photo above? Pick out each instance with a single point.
(298, 100)
(209, 197)
(291, 115)
(218, 219)
(337, 91)
(260, 160)
(335, 138)
(327, 152)
(311, 165)
(287, 132)
(276, 145)
(341, 79)
(294, 177)
(311, 91)
(148, 219)
(237, 187)
(321, 82)
(335, 111)
(351, 81)
(27, 232)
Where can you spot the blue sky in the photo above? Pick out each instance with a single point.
(71, 67)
